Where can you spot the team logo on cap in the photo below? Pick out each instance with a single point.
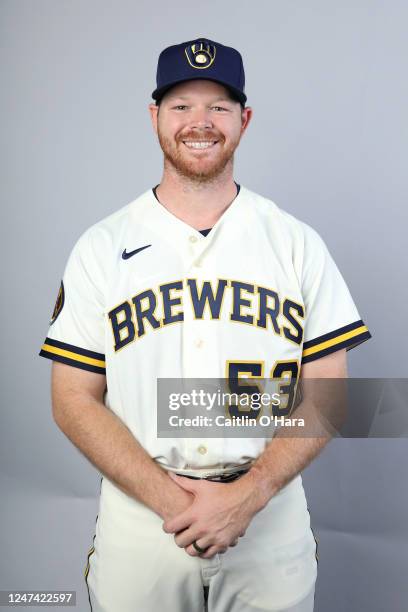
(200, 55)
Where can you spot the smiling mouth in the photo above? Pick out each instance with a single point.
(199, 145)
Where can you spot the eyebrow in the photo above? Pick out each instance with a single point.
(219, 99)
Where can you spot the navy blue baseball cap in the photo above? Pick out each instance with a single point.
(200, 59)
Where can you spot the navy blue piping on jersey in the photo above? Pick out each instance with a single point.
(348, 337)
(204, 232)
(73, 355)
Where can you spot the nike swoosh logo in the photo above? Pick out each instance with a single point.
(126, 255)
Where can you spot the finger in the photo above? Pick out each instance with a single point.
(234, 543)
(210, 553)
(201, 543)
(178, 523)
(193, 552)
(186, 537)
(189, 484)
(190, 550)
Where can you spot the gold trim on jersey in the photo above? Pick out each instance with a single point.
(334, 341)
(71, 355)
(346, 337)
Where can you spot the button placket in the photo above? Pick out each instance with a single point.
(195, 358)
(196, 249)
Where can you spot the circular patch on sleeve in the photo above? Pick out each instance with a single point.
(59, 304)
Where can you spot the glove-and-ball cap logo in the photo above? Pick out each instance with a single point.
(59, 304)
(200, 55)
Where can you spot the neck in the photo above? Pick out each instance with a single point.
(197, 203)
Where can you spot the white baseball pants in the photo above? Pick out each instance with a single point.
(135, 566)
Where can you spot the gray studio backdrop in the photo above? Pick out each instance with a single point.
(328, 143)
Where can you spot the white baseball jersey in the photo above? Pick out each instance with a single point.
(146, 296)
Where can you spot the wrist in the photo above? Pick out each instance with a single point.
(174, 499)
(261, 487)
(255, 493)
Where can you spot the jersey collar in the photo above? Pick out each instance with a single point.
(164, 217)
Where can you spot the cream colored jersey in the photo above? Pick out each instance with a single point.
(146, 296)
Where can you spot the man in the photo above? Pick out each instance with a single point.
(197, 278)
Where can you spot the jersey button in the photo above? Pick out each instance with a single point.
(198, 263)
(202, 450)
(199, 343)
(193, 238)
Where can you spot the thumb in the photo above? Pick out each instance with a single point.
(185, 483)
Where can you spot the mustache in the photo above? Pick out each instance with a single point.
(195, 136)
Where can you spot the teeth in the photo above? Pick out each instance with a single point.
(200, 144)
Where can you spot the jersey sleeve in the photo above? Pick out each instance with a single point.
(332, 321)
(76, 331)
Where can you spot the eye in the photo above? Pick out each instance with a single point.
(180, 106)
(221, 108)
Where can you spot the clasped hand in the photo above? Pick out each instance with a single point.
(218, 516)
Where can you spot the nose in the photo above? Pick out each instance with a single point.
(201, 119)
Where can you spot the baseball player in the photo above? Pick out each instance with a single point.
(198, 277)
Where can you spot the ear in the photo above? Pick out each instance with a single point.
(154, 111)
(246, 116)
